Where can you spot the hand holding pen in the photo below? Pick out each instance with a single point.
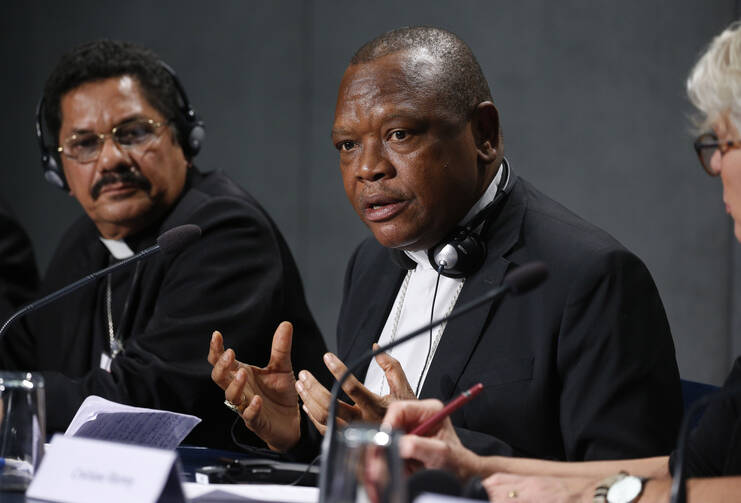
(452, 406)
(440, 448)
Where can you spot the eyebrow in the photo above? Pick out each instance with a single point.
(77, 132)
(344, 131)
(130, 118)
(339, 132)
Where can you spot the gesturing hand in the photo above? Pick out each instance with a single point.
(266, 397)
(368, 406)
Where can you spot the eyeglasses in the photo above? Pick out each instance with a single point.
(134, 135)
(706, 145)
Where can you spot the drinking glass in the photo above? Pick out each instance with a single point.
(367, 467)
(22, 428)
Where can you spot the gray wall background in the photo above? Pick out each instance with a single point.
(591, 95)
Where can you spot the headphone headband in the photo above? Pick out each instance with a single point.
(195, 129)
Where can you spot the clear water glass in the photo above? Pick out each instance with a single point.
(22, 428)
(367, 467)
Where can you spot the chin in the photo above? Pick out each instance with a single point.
(387, 243)
(126, 214)
(409, 238)
(388, 240)
(399, 243)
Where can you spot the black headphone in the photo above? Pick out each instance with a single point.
(191, 132)
(462, 252)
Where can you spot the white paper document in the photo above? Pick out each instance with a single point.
(102, 419)
(262, 493)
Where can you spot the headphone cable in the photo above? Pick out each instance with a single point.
(429, 340)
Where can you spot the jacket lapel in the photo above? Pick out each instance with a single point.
(462, 334)
(381, 283)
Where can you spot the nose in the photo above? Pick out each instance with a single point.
(373, 163)
(111, 156)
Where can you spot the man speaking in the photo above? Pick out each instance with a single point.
(581, 368)
(122, 138)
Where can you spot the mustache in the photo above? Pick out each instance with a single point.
(127, 177)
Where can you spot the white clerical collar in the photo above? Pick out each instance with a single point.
(118, 248)
(420, 256)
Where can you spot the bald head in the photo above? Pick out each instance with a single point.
(439, 56)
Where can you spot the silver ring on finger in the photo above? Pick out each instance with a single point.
(232, 407)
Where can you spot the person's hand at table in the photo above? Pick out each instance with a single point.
(265, 398)
(368, 407)
(527, 489)
(440, 449)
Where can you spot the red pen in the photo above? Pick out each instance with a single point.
(452, 406)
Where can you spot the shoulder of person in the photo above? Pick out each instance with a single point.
(213, 199)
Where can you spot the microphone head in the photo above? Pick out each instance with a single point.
(177, 238)
(526, 277)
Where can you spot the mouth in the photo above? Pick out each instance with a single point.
(381, 208)
(118, 187)
(117, 191)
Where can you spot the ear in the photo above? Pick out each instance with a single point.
(485, 124)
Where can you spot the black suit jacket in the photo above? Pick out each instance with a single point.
(581, 368)
(18, 276)
(239, 278)
(714, 446)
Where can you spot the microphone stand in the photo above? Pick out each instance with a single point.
(77, 284)
(169, 242)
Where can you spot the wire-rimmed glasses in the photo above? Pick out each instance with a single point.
(131, 135)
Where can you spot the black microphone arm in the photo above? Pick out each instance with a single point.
(520, 280)
(169, 242)
(679, 480)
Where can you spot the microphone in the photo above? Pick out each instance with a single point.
(169, 242)
(520, 280)
(177, 238)
(679, 480)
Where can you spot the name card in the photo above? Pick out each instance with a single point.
(84, 470)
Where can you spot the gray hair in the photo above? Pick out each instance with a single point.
(714, 84)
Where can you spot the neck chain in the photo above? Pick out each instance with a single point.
(114, 343)
(438, 334)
